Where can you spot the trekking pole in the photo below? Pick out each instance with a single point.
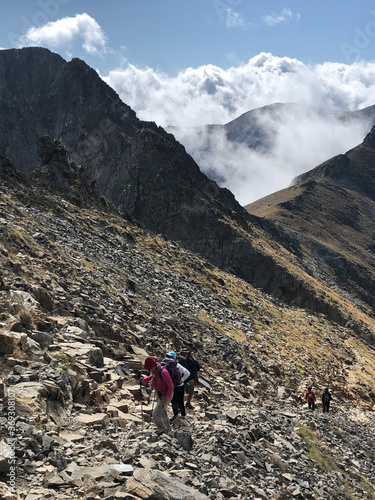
(140, 390)
(141, 394)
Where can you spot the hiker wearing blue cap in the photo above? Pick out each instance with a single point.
(179, 392)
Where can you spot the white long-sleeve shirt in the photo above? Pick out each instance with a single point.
(184, 374)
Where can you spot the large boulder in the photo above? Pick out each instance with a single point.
(150, 484)
(6, 343)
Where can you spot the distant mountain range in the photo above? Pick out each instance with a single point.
(61, 121)
(264, 149)
(253, 128)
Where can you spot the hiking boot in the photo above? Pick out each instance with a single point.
(173, 418)
(189, 405)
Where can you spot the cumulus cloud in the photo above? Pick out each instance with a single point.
(234, 19)
(213, 95)
(63, 32)
(210, 94)
(284, 16)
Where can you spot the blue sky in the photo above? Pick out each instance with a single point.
(170, 35)
(187, 63)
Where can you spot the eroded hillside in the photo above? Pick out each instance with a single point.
(86, 294)
(330, 212)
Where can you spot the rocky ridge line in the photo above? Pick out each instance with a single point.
(86, 295)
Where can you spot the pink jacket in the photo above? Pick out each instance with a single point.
(162, 383)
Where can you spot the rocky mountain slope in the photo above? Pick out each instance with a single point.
(86, 294)
(331, 212)
(138, 166)
(147, 174)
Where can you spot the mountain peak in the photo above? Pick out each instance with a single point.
(370, 138)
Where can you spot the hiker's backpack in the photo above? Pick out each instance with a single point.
(174, 372)
(310, 398)
(198, 366)
(326, 397)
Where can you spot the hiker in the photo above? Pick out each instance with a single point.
(193, 366)
(310, 398)
(160, 380)
(326, 400)
(179, 392)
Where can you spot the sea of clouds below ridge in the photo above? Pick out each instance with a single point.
(213, 95)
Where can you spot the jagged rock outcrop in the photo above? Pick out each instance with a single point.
(144, 172)
(57, 172)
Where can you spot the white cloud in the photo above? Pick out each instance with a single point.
(301, 139)
(234, 19)
(63, 32)
(284, 16)
(210, 94)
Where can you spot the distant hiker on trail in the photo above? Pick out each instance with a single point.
(310, 398)
(160, 380)
(179, 392)
(326, 400)
(193, 366)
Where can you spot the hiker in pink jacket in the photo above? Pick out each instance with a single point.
(160, 380)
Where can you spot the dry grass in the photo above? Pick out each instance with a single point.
(26, 318)
(322, 458)
(325, 460)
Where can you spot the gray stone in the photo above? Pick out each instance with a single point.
(153, 484)
(6, 343)
(94, 419)
(6, 455)
(95, 357)
(43, 339)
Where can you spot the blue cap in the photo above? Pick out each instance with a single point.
(172, 354)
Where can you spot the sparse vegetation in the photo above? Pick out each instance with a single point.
(61, 356)
(26, 318)
(279, 463)
(322, 458)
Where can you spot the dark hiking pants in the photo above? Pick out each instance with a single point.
(178, 401)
